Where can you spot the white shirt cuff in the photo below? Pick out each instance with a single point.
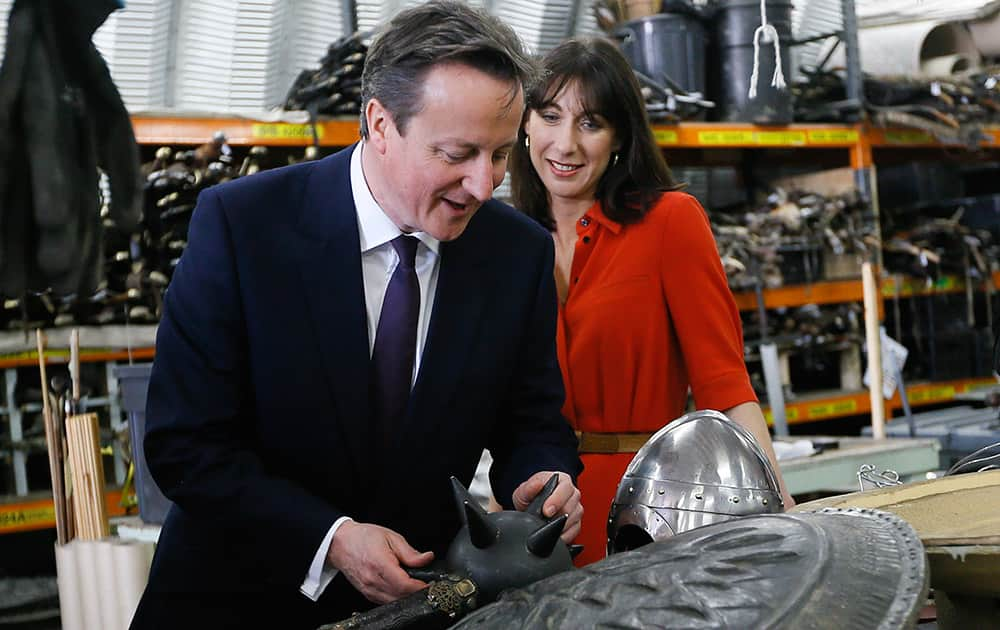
(320, 574)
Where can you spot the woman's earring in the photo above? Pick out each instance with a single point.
(614, 159)
(527, 142)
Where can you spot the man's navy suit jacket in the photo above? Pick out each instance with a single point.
(258, 407)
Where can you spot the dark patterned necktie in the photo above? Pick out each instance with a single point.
(396, 341)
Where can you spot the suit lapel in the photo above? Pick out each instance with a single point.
(458, 305)
(330, 266)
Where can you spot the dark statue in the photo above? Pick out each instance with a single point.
(492, 552)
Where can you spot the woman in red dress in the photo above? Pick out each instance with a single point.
(645, 312)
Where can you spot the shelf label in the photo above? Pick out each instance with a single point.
(666, 136)
(16, 518)
(977, 384)
(932, 394)
(832, 136)
(52, 355)
(910, 287)
(832, 409)
(717, 138)
(781, 138)
(791, 415)
(284, 131)
(908, 136)
(753, 138)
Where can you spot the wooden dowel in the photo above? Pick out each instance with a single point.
(52, 445)
(873, 342)
(75, 477)
(97, 460)
(74, 363)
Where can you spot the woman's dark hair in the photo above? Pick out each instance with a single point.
(608, 88)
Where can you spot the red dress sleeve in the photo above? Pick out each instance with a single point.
(702, 308)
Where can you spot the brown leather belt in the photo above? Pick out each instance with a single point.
(611, 442)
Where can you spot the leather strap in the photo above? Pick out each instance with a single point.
(607, 443)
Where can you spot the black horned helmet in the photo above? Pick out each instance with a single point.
(507, 549)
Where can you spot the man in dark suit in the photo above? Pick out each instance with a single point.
(341, 337)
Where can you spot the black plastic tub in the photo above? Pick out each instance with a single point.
(735, 23)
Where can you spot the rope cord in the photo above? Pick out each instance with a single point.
(765, 29)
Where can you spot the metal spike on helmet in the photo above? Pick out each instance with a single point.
(545, 538)
(463, 499)
(535, 507)
(500, 550)
(481, 532)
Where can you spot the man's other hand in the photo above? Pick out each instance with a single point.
(372, 559)
(564, 500)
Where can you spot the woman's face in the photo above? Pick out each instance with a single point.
(569, 149)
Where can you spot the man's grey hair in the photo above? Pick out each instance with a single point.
(438, 32)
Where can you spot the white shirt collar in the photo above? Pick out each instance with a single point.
(375, 227)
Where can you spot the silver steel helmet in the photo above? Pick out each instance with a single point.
(700, 469)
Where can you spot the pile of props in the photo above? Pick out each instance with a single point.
(693, 545)
(951, 110)
(333, 89)
(783, 241)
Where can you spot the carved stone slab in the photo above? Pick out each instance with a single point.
(844, 569)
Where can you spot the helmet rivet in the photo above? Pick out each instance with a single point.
(734, 499)
(698, 496)
(661, 491)
(765, 501)
(630, 489)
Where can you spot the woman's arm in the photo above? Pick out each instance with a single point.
(751, 418)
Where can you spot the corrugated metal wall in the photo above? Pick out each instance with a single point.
(5, 6)
(902, 10)
(241, 55)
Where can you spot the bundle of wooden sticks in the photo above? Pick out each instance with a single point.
(73, 441)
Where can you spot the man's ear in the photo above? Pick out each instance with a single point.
(380, 125)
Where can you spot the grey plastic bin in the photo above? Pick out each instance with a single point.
(133, 381)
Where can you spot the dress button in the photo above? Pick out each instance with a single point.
(584, 221)
(586, 239)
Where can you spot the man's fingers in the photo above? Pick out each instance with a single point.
(398, 583)
(561, 500)
(527, 490)
(565, 499)
(371, 557)
(387, 584)
(570, 533)
(406, 554)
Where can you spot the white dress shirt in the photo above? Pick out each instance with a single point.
(378, 262)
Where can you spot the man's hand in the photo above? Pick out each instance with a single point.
(564, 500)
(372, 559)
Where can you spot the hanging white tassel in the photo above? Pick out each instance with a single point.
(765, 29)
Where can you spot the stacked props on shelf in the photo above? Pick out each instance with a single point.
(935, 247)
(951, 109)
(668, 102)
(137, 263)
(783, 241)
(333, 89)
(808, 327)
